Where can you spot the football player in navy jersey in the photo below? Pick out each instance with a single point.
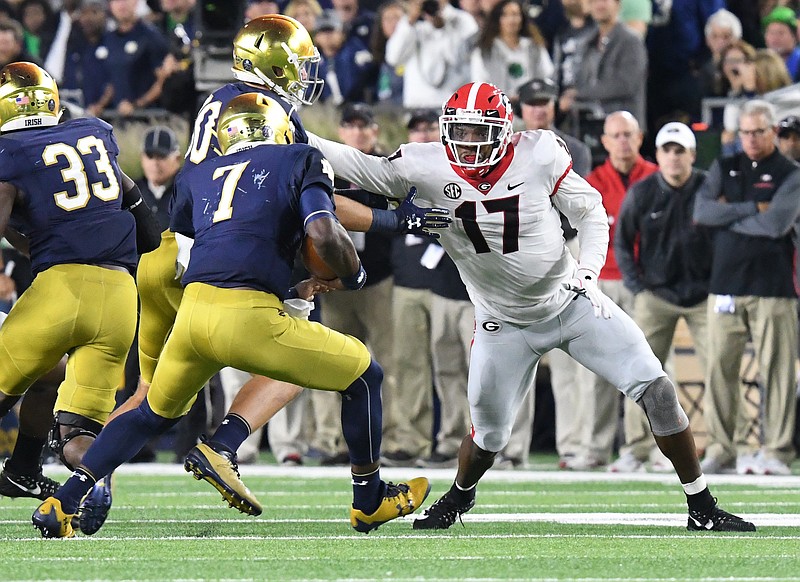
(267, 194)
(61, 187)
(275, 56)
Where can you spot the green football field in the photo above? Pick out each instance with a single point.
(527, 525)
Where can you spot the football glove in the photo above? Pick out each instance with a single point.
(184, 253)
(585, 283)
(413, 219)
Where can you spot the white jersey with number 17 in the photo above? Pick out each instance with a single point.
(506, 236)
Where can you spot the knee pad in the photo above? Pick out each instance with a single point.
(78, 426)
(660, 403)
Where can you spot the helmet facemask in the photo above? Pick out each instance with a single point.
(277, 52)
(475, 141)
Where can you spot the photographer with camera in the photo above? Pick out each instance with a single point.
(430, 42)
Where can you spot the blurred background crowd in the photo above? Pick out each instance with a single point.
(388, 65)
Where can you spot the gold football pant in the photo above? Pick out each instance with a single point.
(248, 330)
(159, 295)
(84, 311)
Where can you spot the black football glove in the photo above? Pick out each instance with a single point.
(413, 219)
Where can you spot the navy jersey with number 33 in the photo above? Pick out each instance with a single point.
(244, 212)
(70, 206)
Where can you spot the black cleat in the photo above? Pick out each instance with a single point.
(94, 508)
(716, 519)
(443, 513)
(37, 486)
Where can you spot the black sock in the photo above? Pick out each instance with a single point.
(26, 459)
(701, 502)
(462, 496)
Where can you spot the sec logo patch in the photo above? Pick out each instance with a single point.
(452, 191)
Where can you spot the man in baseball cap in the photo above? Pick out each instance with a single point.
(789, 137)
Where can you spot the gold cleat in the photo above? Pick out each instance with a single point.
(398, 501)
(220, 469)
(51, 520)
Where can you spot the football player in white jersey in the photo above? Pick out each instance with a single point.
(504, 191)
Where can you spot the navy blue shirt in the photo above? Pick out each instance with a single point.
(247, 213)
(71, 203)
(85, 77)
(131, 59)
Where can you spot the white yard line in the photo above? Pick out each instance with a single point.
(496, 476)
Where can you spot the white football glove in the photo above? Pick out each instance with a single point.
(184, 253)
(298, 308)
(585, 283)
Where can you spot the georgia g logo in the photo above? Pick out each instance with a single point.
(452, 191)
(490, 326)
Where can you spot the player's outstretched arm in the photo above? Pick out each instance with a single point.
(407, 218)
(372, 173)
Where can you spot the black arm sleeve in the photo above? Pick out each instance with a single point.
(148, 231)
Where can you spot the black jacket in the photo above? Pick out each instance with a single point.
(658, 246)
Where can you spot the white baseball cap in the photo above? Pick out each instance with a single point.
(676, 132)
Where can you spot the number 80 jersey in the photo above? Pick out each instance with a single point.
(70, 206)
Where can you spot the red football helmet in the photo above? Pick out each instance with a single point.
(476, 127)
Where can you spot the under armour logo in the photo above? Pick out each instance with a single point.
(414, 222)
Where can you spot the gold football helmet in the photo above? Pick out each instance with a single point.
(252, 117)
(28, 97)
(276, 51)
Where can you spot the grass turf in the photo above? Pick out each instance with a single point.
(170, 527)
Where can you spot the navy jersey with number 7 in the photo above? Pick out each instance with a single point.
(244, 212)
(70, 206)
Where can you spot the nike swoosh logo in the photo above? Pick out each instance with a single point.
(354, 482)
(655, 215)
(510, 187)
(35, 491)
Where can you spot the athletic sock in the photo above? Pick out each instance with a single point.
(368, 491)
(26, 458)
(232, 432)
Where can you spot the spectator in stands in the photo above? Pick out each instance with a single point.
(622, 139)
(85, 80)
(612, 67)
(305, 12)
(789, 137)
(430, 45)
(357, 21)
(347, 65)
(569, 46)
(751, 200)
(510, 50)
(161, 159)
(771, 73)
(11, 47)
(178, 93)
(665, 261)
(676, 49)
(409, 420)
(636, 15)
(256, 8)
(537, 104)
(390, 79)
(780, 34)
(739, 76)
(722, 29)
(39, 21)
(365, 313)
(132, 55)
